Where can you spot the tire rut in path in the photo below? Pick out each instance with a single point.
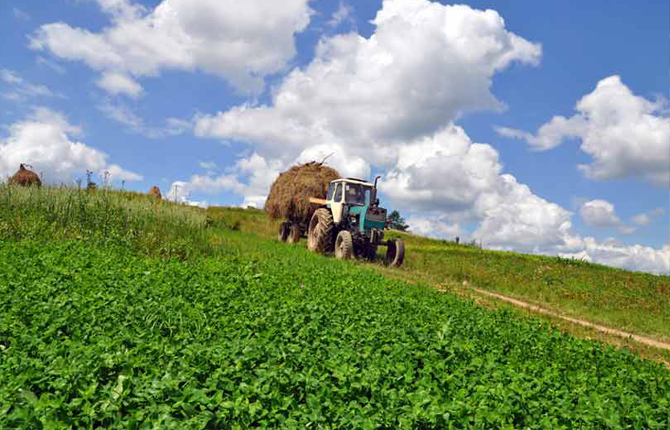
(534, 308)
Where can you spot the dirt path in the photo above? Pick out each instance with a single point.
(641, 339)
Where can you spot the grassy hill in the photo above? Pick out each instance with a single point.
(118, 311)
(632, 301)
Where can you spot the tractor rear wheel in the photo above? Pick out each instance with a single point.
(283, 232)
(294, 234)
(344, 245)
(320, 233)
(395, 253)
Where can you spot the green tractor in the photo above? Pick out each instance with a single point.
(350, 223)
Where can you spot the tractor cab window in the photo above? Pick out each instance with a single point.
(357, 194)
(331, 189)
(338, 193)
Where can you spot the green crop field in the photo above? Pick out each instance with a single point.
(632, 301)
(215, 326)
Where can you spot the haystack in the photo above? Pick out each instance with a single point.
(288, 198)
(25, 177)
(155, 192)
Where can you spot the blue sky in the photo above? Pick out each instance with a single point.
(453, 106)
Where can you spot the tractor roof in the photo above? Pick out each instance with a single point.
(354, 181)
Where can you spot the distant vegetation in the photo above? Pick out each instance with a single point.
(238, 331)
(397, 222)
(103, 215)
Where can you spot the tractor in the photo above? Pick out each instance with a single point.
(350, 223)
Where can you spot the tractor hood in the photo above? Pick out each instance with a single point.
(369, 217)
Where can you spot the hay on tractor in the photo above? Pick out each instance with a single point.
(155, 192)
(25, 177)
(290, 193)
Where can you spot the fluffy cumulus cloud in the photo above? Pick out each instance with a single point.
(435, 227)
(117, 83)
(45, 140)
(362, 99)
(424, 66)
(599, 213)
(240, 41)
(635, 257)
(645, 218)
(251, 177)
(448, 174)
(626, 135)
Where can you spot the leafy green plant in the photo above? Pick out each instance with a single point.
(94, 336)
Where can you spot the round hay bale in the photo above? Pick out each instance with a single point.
(289, 194)
(25, 177)
(155, 192)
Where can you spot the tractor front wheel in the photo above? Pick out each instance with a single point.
(320, 232)
(395, 253)
(344, 245)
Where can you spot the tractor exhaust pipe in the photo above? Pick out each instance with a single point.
(373, 197)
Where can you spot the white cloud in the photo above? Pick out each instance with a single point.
(20, 89)
(635, 257)
(240, 41)
(117, 83)
(50, 64)
(251, 178)
(627, 229)
(124, 115)
(45, 141)
(450, 175)
(425, 65)
(438, 228)
(626, 135)
(449, 180)
(641, 219)
(566, 244)
(342, 14)
(599, 213)
(646, 217)
(209, 165)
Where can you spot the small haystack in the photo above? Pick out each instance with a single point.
(25, 177)
(155, 192)
(288, 198)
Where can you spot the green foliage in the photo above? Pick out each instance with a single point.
(234, 331)
(96, 336)
(397, 222)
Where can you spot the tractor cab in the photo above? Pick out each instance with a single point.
(344, 194)
(353, 203)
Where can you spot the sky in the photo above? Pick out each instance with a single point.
(537, 127)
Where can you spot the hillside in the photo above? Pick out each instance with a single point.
(632, 301)
(197, 320)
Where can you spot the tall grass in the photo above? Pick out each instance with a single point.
(149, 225)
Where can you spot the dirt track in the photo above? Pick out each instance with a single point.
(641, 339)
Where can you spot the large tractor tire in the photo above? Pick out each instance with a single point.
(283, 232)
(320, 233)
(344, 245)
(395, 253)
(294, 234)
